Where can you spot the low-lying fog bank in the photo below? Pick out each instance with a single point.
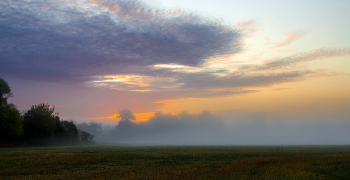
(209, 129)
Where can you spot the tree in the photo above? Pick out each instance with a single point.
(91, 127)
(10, 117)
(96, 128)
(126, 115)
(70, 131)
(65, 130)
(126, 122)
(85, 136)
(10, 123)
(59, 132)
(5, 91)
(126, 127)
(39, 122)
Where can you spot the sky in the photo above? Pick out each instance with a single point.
(245, 61)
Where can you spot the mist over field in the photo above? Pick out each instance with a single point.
(209, 129)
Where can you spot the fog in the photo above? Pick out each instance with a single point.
(209, 129)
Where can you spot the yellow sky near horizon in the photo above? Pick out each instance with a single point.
(323, 96)
(316, 95)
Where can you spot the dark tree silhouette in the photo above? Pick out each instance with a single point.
(126, 122)
(65, 131)
(126, 114)
(70, 131)
(39, 122)
(59, 132)
(10, 117)
(10, 123)
(5, 91)
(85, 136)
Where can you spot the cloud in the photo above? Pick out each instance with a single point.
(283, 63)
(132, 46)
(74, 40)
(290, 38)
(179, 81)
(249, 28)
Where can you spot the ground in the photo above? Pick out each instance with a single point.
(176, 162)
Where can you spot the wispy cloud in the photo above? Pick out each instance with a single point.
(283, 63)
(178, 81)
(290, 37)
(249, 28)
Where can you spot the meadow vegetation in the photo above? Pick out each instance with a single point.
(176, 162)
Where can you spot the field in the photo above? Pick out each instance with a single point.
(176, 162)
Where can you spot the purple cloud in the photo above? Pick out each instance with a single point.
(60, 40)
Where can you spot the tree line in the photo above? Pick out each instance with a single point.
(39, 125)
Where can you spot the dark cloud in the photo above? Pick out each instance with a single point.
(55, 40)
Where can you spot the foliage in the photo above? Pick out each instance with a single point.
(65, 131)
(10, 117)
(71, 130)
(5, 92)
(10, 123)
(191, 162)
(126, 123)
(39, 122)
(85, 136)
(126, 114)
(59, 132)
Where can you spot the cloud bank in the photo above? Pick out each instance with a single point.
(78, 39)
(134, 46)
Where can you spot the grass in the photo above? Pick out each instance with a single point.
(176, 162)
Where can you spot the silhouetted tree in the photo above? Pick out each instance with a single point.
(10, 117)
(59, 132)
(65, 131)
(85, 136)
(70, 131)
(126, 122)
(5, 91)
(39, 122)
(10, 123)
(126, 115)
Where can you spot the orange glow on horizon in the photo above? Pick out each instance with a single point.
(144, 116)
(139, 117)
